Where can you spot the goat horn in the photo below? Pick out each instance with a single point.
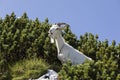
(59, 24)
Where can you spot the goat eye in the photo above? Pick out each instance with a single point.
(50, 30)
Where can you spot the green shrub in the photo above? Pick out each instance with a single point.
(90, 70)
(26, 69)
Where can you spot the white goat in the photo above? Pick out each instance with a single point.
(65, 51)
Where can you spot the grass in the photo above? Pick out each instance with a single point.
(26, 69)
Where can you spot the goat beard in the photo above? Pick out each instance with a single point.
(52, 40)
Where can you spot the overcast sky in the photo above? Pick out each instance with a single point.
(100, 17)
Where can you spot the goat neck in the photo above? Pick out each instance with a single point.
(59, 42)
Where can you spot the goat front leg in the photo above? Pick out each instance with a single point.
(62, 58)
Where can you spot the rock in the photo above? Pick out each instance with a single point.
(50, 75)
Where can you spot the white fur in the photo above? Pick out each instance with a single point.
(65, 51)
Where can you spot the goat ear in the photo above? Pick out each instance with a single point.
(57, 28)
(60, 28)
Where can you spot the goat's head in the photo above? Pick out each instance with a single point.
(55, 30)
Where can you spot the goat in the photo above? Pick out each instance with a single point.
(65, 51)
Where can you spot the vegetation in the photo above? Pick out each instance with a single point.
(26, 69)
(26, 52)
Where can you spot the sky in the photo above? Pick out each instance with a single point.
(100, 17)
